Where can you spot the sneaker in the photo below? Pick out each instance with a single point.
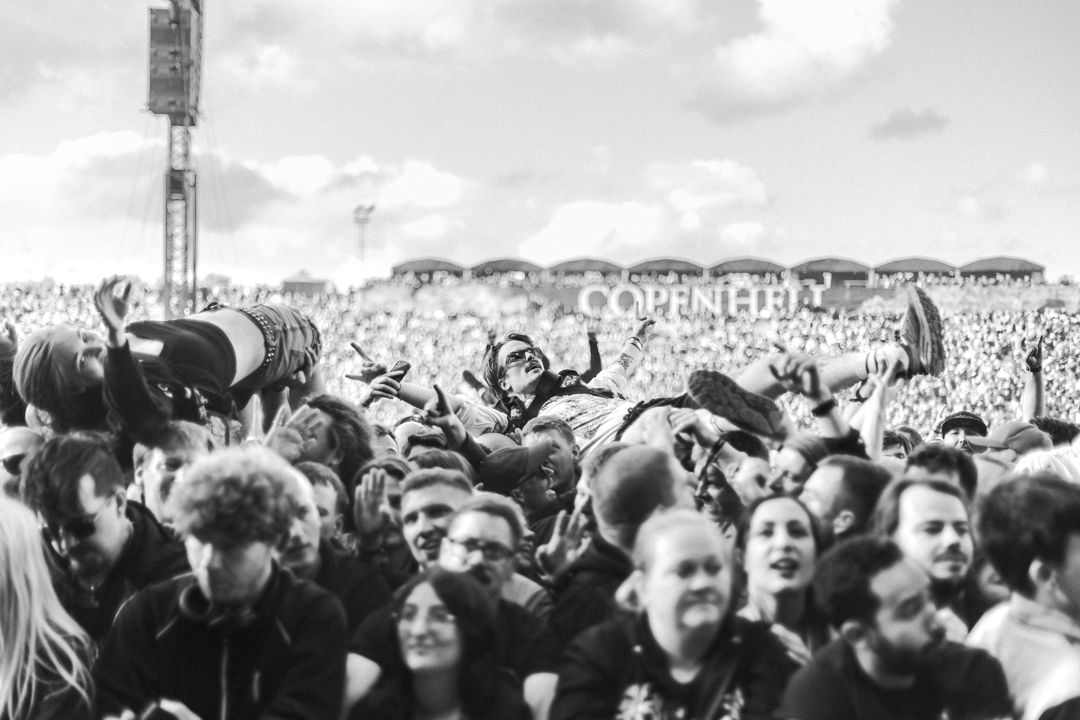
(920, 335)
(722, 396)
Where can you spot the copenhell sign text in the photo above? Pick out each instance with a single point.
(721, 299)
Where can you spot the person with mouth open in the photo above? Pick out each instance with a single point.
(779, 544)
(681, 652)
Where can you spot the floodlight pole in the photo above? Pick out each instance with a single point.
(362, 216)
(175, 74)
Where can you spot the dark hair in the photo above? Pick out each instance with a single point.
(394, 465)
(748, 517)
(50, 482)
(843, 575)
(475, 616)
(349, 432)
(320, 475)
(915, 440)
(493, 372)
(631, 486)
(236, 496)
(747, 442)
(548, 423)
(497, 507)
(887, 514)
(1027, 518)
(420, 479)
(182, 435)
(942, 458)
(40, 382)
(861, 485)
(1061, 432)
(445, 459)
(892, 437)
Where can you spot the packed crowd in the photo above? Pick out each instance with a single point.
(279, 509)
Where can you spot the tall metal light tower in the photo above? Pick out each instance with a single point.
(175, 62)
(362, 216)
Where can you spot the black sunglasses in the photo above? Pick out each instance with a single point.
(518, 356)
(13, 463)
(78, 528)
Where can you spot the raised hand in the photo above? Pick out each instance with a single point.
(291, 435)
(566, 544)
(442, 416)
(111, 301)
(799, 374)
(9, 340)
(1033, 359)
(367, 506)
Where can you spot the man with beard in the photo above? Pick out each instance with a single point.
(681, 652)
(107, 547)
(929, 521)
(480, 539)
(891, 660)
(842, 493)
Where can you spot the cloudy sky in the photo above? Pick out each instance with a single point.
(548, 130)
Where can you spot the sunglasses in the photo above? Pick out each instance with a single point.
(13, 463)
(518, 356)
(78, 528)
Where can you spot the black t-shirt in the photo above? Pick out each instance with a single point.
(528, 646)
(967, 683)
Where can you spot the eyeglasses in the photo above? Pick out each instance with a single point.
(490, 551)
(78, 528)
(13, 463)
(517, 357)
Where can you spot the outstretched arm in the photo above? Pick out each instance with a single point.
(1033, 397)
(630, 356)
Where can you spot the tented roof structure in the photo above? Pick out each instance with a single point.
(666, 265)
(1002, 264)
(751, 265)
(915, 265)
(830, 264)
(581, 265)
(428, 265)
(502, 265)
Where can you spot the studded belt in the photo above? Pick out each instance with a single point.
(269, 337)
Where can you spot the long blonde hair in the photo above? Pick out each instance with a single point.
(41, 647)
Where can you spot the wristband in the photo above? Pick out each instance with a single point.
(824, 408)
(635, 341)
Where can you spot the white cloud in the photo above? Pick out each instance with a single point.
(805, 49)
(745, 234)
(421, 185)
(590, 227)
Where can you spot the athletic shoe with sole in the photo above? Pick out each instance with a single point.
(722, 396)
(920, 334)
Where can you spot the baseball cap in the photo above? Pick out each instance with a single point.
(1016, 435)
(503, 470)
(963, 419)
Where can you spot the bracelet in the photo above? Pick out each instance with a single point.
(635, 341)
(824, 408)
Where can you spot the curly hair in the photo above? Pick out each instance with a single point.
(41, 383)
(236, 496)
(350, 432)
